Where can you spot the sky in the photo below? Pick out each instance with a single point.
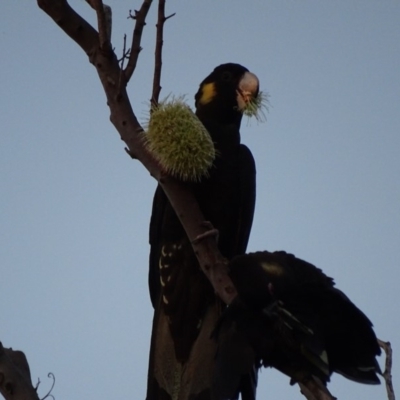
(75, 209)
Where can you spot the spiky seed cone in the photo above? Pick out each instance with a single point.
(257, 106)
(179, 141)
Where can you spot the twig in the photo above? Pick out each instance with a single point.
(48, 394)
(158, 52)
(387, 374)
(140, 17)
(125, 55)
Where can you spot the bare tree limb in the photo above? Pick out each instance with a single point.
(104, 22)
(15, 376)
(140, 17)
(104, 34)
(158, 52)
(126, 123)
(71, 23)
(387, 374)
(311, 390)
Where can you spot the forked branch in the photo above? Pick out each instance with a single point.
(131, 132)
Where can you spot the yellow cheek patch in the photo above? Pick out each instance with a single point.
(272, 269)
(207, 93)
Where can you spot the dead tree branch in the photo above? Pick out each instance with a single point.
(158, 52)
(126, 123)
(311, 390)
(140, 17)
(387, 374)
(104, 34)
(15, 376)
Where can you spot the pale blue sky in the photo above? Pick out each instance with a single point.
(74, 208)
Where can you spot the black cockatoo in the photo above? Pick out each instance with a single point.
(289, 315)
(185, 306)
